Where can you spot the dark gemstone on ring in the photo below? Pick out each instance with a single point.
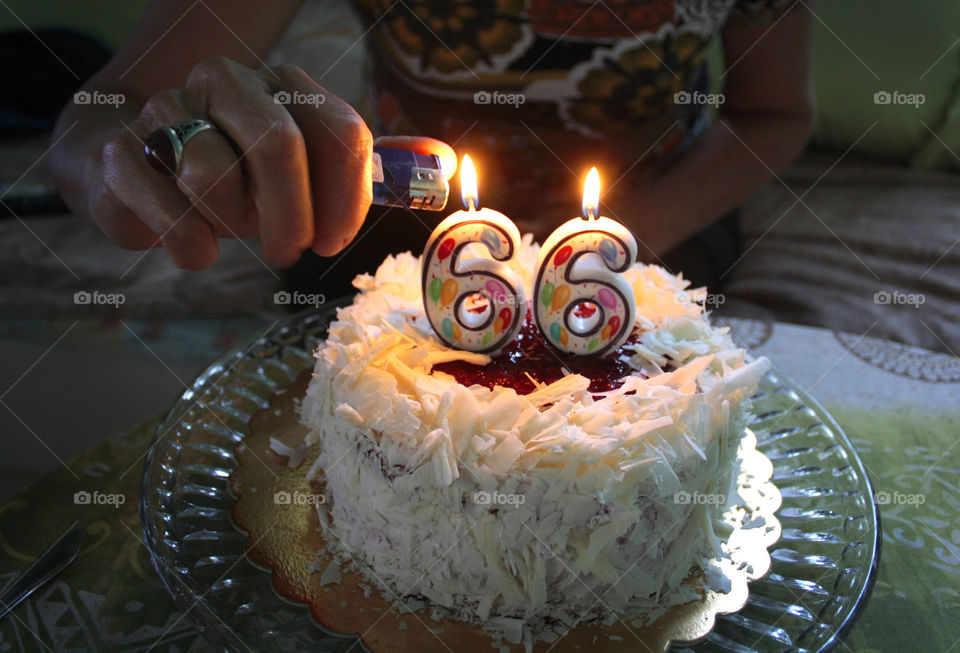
(160, 153)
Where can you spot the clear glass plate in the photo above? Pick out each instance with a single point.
(822, 569)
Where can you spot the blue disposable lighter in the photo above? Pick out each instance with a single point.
(405, 178)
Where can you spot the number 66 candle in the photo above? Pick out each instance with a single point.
(475, 304)
(582, 304)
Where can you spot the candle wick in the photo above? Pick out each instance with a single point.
(472, 203)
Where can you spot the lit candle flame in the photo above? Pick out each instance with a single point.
(468, 183)
(591, 195)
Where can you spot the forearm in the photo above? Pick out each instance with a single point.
(763, 124)
(736, 155)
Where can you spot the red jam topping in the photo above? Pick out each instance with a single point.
(530, 354)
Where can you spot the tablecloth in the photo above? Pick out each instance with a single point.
(898, 404)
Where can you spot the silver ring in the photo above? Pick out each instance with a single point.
(164, 147)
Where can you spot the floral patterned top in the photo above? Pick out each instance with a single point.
(535, 86)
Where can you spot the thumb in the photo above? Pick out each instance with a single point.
(424, 145)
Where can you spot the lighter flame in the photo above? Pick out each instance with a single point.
(591, 194)
(468, 183)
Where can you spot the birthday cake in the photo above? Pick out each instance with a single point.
(527, 491)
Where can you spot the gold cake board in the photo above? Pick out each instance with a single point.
(285, 539)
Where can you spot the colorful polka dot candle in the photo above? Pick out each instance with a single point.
(582, 304)
(476, 304)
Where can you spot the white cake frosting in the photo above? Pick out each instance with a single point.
(526, 513)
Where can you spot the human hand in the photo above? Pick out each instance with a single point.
(289, 162)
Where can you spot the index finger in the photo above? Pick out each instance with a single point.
(272, 149)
